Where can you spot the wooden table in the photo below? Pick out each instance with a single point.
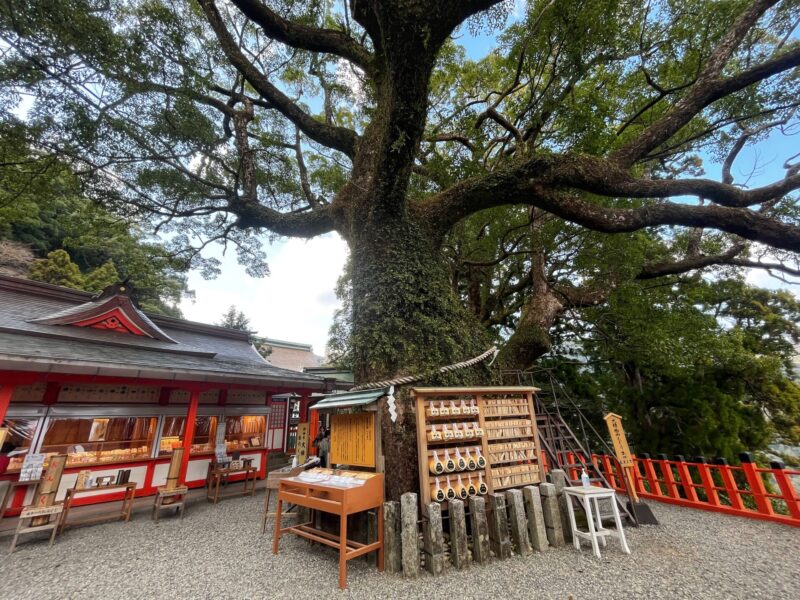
(218, 475)
(124, 514)
(163, 494)
(328, 497)
(12, 487)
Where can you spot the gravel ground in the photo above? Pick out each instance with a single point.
(217, 552)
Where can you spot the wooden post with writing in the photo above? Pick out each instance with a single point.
(621, 450)
(301, 445)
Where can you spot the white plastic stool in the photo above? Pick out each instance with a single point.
(588, 497)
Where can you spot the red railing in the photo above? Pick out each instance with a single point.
(747, 490)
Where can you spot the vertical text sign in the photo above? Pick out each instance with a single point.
(301, 445)
(614, 423)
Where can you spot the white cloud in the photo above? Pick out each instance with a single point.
(295, 303)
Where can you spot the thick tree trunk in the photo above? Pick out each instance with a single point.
(406, 320)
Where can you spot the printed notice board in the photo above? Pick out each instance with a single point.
(353, 439)
(614, 423)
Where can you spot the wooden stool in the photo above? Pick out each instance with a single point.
(164, 493)
(588, 497)
(273, 481)
(31, 512)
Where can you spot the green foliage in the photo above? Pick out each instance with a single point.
(687, 378)
(233, 318)
(102, 277)
(42, 206)
(58, 269)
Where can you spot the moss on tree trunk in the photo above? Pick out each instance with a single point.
(406, 319)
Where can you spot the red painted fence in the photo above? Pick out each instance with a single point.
(747, 490)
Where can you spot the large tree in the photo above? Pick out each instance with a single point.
(218, 120)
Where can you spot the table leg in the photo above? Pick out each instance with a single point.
(156, 508)
(5, 501)
(266, 512)
(276, 540)
(16, 535)
(587, 506)
(53, 533)
(620, 531)
(380, 536)
(571, 511)
(63, 521)
(600, 527)
(343, 552)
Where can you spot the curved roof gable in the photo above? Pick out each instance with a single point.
(112, 310)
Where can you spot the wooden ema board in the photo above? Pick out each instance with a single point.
(353, 439)
(490, 444)
(301, 445)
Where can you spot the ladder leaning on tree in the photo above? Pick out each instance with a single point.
(561, 446)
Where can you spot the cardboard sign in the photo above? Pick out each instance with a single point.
(301, 445)
(614, 424)
(353, 439)
(38, 512)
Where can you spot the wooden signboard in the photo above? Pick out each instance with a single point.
(353, 439)
(301, 445)
(614, 423)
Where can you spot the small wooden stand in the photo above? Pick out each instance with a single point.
(273, 481)
(124, 514)
(165, 493)
(218, 475)
(12, 487)
(336, 500)
(31, 512)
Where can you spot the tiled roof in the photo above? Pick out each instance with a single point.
(205, 350)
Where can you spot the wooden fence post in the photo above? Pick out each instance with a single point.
(650, 474)
(788, 491)
(756, 484)
(686, 478)
(712, 497)
(730, 483)
(667, 476)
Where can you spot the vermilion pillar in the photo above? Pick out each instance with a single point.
(5, 399)
(188, 434)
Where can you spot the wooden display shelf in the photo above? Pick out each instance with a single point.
(510, 439)
(124, 514)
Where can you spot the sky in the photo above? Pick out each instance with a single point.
(296, 302)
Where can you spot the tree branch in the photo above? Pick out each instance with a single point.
(315, 39)
(709, 86)
(338, 138)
